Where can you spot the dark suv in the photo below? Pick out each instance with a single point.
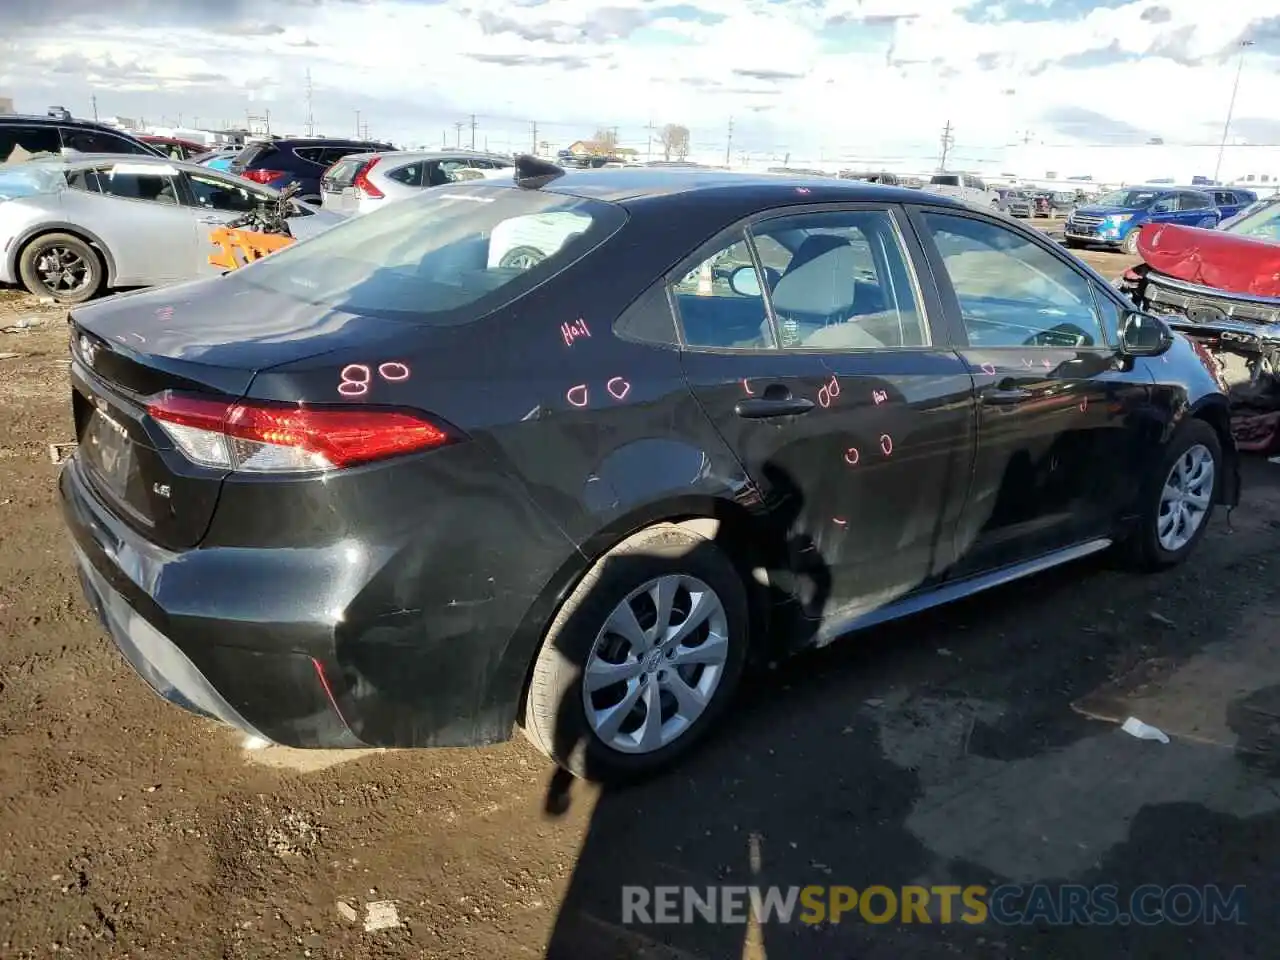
(55, 134)
(278, 163)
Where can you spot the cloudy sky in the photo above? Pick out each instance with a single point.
(822, 78)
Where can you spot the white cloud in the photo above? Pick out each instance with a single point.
(872, 78)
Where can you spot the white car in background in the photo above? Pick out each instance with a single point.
(362, 182)
(522, 242)
(966, 188)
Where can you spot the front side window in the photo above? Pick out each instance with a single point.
(444, 259)
(1012, 292)
(835, 281)
(128, 182)
(213, 193)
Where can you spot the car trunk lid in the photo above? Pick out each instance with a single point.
(1212, 258)
(337, 186)
(129, 349)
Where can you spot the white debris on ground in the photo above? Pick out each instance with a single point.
(347, 912)
(380, 915)
(1136, 728)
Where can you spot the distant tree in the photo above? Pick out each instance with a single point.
(675, 141)
(606, 140)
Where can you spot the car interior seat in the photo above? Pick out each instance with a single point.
(816, 298)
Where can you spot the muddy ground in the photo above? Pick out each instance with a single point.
(975, 744)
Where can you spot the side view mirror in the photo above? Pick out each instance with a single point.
(745, 282)
(1144, 335)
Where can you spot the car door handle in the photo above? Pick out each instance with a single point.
(762, 409)
(1015, 395)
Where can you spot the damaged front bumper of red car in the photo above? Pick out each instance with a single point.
(1239, 330)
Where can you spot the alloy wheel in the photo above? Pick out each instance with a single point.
(656, 664)
(1186, 498)
(62, 271)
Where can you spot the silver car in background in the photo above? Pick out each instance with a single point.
(73, 228)
(362, 182)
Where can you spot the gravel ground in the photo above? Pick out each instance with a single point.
(974, 744)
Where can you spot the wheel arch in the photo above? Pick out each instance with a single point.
(1216, 412)
(718, 519)
(88, 236)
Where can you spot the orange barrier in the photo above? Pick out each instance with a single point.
(238, 247)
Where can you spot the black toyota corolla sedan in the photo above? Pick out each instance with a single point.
(568, 452)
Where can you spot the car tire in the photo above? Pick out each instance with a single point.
(81, 263)
(1192, 442)
(521, 258)
(1129, 245)
(1073, 244)
(580, 642)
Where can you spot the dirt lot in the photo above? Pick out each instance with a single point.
(976, 744)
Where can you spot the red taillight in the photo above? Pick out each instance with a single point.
(261, 175)
(284, 438)
(361, 181)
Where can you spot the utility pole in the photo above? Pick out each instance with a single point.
(533, 125)
(94, 100)
(1231, 109)
(457, 127)
(648, 150)
(948, 139)
(357, 123)
(728, 146)
(473, 131)
(311, 119)
(444, 138)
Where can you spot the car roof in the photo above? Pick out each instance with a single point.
(27, 119)
(322, 142)
(82, 160)
(630, 184)
(427, 155)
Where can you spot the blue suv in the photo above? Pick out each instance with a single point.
(1114, 219)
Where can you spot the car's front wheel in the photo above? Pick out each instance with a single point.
(1130, 243)
(641, 658)
(1178, 497)
(61, 266)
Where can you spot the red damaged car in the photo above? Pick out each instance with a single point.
(1222, 288)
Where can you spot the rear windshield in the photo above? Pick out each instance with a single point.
(944, 180)
(448, 257)
(251, 153)
(343, 173)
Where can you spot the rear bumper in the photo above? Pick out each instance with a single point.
(297, 646)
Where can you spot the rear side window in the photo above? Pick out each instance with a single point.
(410, 174)
(100, 141)
(16, 139)
(441, 259)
